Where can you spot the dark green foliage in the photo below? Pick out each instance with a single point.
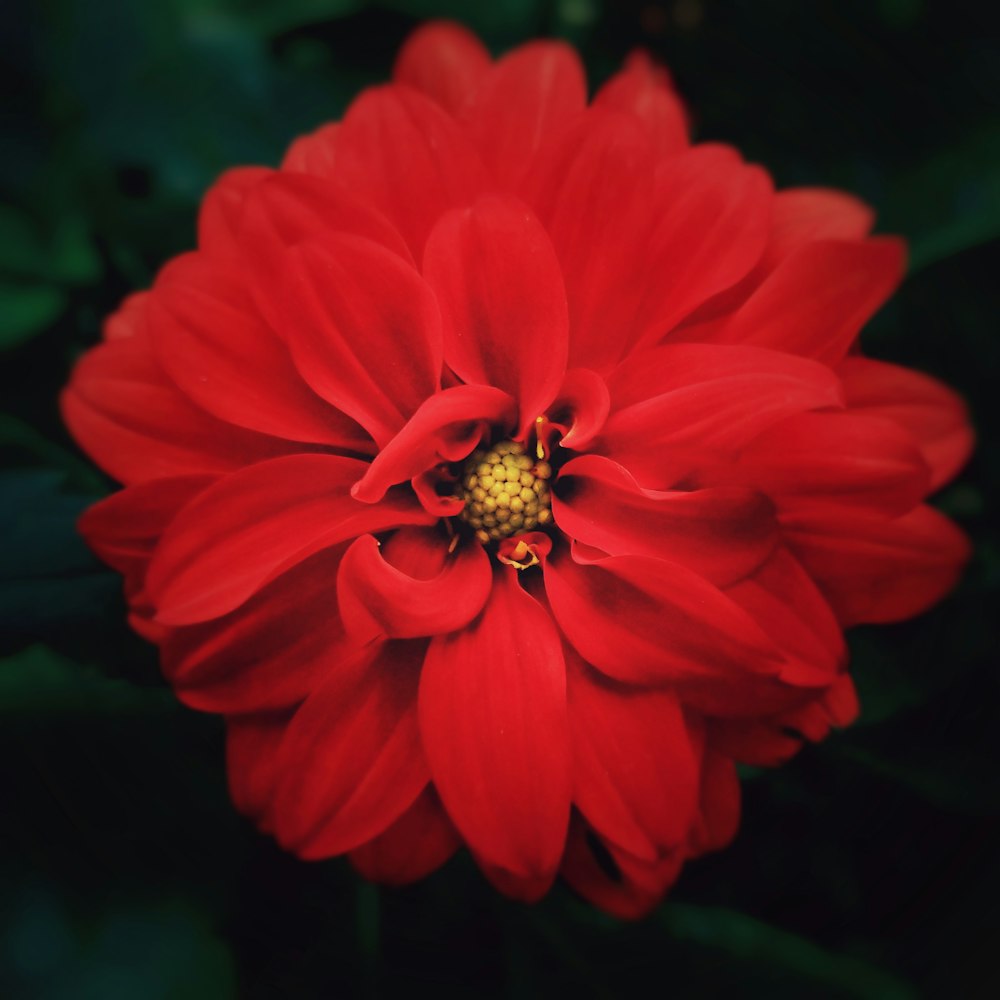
(867, 868)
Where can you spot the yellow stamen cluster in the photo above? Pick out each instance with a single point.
(506, 492)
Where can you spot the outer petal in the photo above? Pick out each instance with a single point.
(404, 155)
(314, 153)
(350, 763)
(502, 300)
(645, 621)
(222, 210)
(816, 302)
(126, 414)
(676, 407)
(719, 805)
(252, 762)
(420, 841)
(251, 526)
(494, 727)
(525, 100)
(446, 428)
(934, 414)
(364, 330)
(643, 90)
(444, 61)
(270, 653)
(208, 338)
(432, 595)
(721, 534)
(878, 570)
(635, 771)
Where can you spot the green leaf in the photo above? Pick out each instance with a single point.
(26, 310)
(268, 18)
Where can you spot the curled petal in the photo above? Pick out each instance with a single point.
(494, 727)
(251, 526)
(721, 533)
(380, 599)
(502, 301)
(524, 101)
(934, 414)
(364, 330)
(580, 408)
(446, 428)
(635, 771)
(350, 763)
(646, 621)
(444, 61)
(420, 841)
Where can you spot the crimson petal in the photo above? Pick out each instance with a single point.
(252, 743)
(251, 526)
(350, 763)
(379, 598)
(494, 726)
(502, 300)
(222, 210)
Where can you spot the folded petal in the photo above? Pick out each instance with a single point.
(646, 621)
(837, 458)
(403, 154)
(411, 586)
(818, 299)
(364, 330)
(522, 103)
(446, 428)
(444, 61)
(133, 421)
(873, 569)
(680, 405)
(494, 727)
(635, 770)
(251, 526)
(268, 654)
(350, 763)
(720, 533)
(502, 299)
(580, 408)
(208, 338)
(419, 842)
(643, 90)
(934, 414)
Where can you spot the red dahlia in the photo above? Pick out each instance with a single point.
(504, 469)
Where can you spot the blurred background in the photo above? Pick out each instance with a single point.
(867, 868)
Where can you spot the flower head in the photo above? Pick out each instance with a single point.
(505, 469)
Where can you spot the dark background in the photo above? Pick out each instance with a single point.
(867, 868)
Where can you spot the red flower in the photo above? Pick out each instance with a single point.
(504, 469)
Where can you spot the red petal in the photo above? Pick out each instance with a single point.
(719, 805)
(525, 100)
(351, 763)
(593, 190)
(381, 599)
(837, 458)
(645, 621)
(364, 330)
(816, 302)
(222, 210)
(580, 408)
(612, 879)
(404, 155)
(314, 153)
(494, 726)
(934, 414)
(208, 339)
(268, 654)
(252, 762)
(419, 842)
(675, 407)
(640, 90)
(135, 424)
(502, 300)
(722, 534)
(878, 570)
(635, 772)
(446, 428)
(444, 61)
(255, 524)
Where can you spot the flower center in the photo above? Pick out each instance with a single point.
(506, 492)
